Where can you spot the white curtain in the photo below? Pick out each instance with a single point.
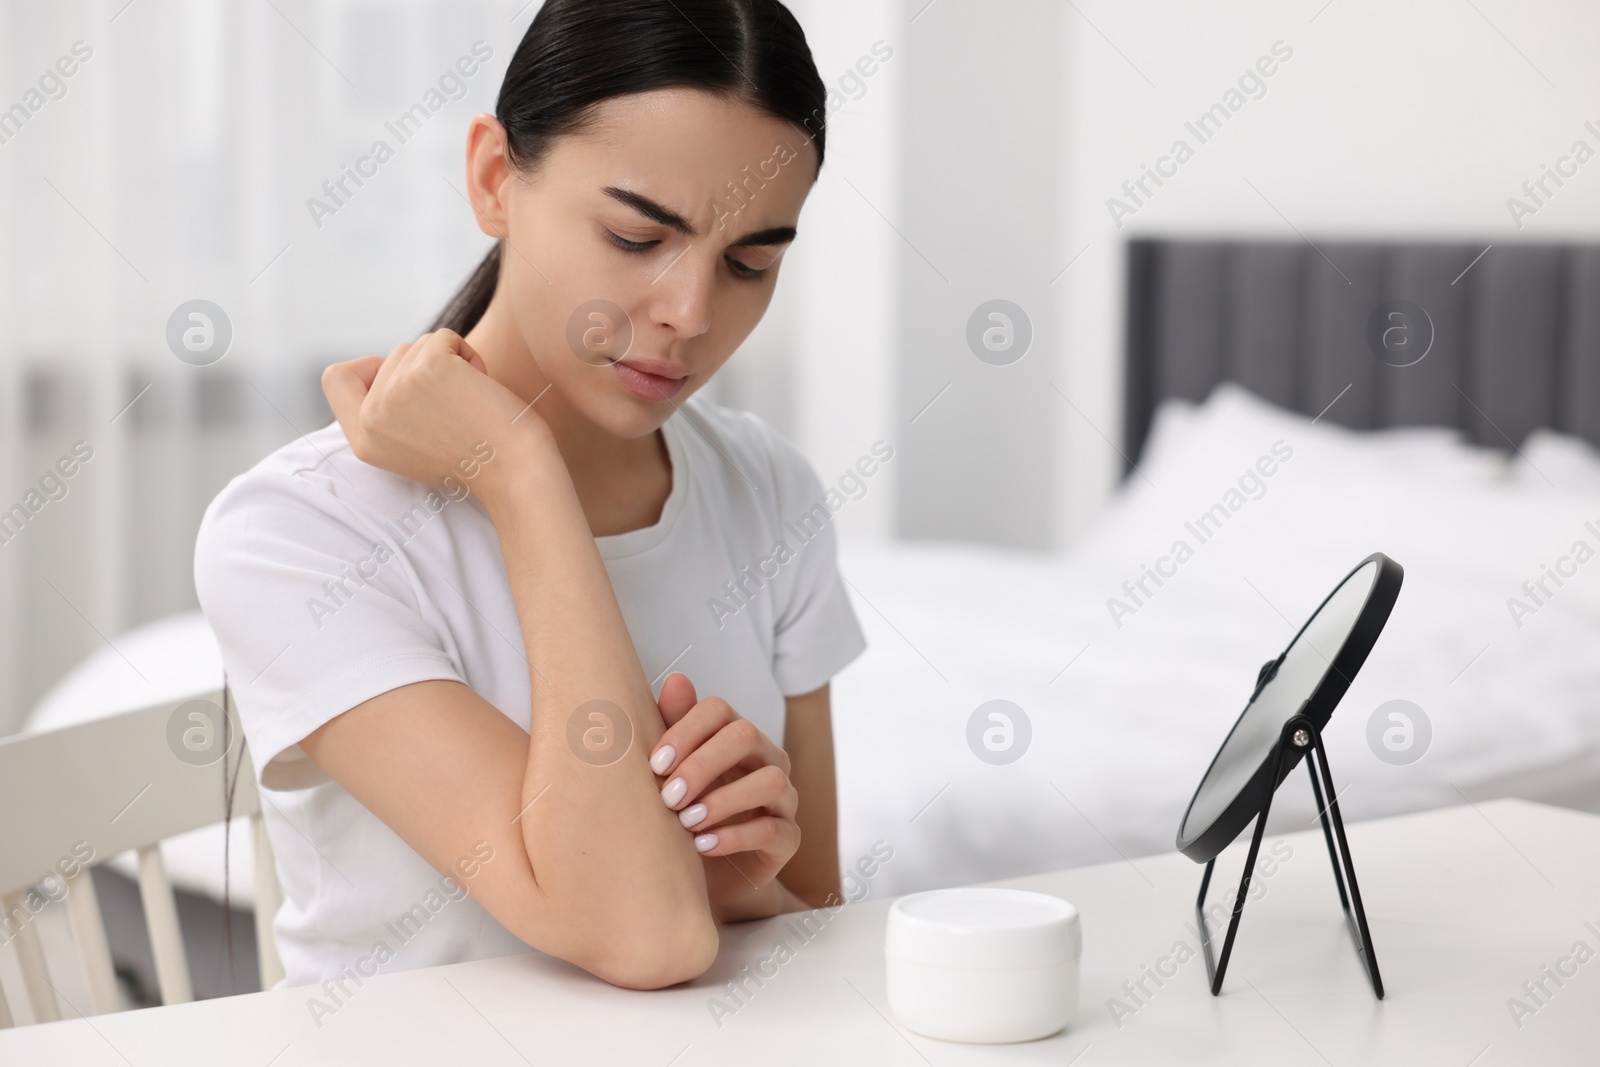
(175, 163)
(159, 152)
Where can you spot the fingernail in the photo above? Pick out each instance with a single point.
(705, 842)
(691, 815)
(673, 793)
(663, 759)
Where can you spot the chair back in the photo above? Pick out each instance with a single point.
(73, 798)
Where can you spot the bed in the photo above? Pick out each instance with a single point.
(1474, 467)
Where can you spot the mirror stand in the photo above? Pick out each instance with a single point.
(1299, 734)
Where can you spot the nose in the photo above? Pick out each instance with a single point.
(682, 297)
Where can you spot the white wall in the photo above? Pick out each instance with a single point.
(979, 220)
(1392, 118)
(820, 366)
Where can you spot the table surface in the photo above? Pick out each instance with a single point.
(1466, 905)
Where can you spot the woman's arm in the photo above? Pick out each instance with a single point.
(590, 866)
(813, 874)
(602, 844)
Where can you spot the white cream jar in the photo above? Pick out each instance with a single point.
(983, 965)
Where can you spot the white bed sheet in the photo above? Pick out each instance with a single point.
(1123, 734)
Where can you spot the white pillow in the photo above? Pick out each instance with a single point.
(1557, 461)
(1234, 416)
(1170, 427)
(1281, 482)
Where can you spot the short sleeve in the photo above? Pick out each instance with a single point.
(313, 613)
(817, 632)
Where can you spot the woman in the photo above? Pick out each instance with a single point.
(443, 614)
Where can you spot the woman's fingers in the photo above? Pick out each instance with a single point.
(470, 354)
(424, 410)
(449, 343)
(738, 745)
(766, 835)
(730, 786)
(374, 372)
(688, 731)
(367, 367)
(677, 698)
(387, 367)
(766, 789)
(347, 384)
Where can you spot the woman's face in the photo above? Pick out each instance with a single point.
(653, 239)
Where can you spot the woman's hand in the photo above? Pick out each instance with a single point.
(429, 410)
(730, 786)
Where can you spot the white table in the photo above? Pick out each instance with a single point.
(1465, 905)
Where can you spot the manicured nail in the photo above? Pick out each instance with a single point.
(692, 815)
(705, 842)
(673, 793)
(663, 759)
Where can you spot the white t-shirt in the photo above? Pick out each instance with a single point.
(329, 581)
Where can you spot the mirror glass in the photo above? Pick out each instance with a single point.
(1307, 660)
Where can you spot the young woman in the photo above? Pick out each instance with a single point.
(444, 616)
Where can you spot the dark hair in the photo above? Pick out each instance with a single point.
(579, 53)
(230, 783)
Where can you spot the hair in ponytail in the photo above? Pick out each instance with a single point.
(230, 783)
(579, 53)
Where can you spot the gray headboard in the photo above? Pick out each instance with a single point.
(1516, 338)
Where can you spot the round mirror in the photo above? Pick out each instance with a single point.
(1309, 678)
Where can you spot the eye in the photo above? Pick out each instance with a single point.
(744, 270)
(630, 246)
(740, 270)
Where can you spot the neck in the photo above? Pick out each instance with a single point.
(590, 451)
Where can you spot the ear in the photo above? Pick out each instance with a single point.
(677, 697)
(487, 172)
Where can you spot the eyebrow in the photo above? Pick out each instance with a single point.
(774, 235)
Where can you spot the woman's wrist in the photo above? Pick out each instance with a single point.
(527, 464)
(762, 903)
(774, 898)
(789, 900)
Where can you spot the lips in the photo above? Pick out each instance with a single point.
(648, 386)
(657, 368)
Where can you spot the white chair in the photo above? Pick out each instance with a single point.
(177, 659)
(119, 784)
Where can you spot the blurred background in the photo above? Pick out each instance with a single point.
(1155, 198)
(176, 163)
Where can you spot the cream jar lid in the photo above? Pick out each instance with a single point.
(983, 929)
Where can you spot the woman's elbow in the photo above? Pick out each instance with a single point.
(655, 960)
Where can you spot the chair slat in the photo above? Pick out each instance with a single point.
(116, 786)
(166, 937)
(269, 895)
(5, 1011)
(35, 976)
(89, 930)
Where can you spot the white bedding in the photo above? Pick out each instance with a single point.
(1121, 737)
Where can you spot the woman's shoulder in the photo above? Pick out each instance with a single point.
(288, 473)
(310, 484)
(314, 469)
